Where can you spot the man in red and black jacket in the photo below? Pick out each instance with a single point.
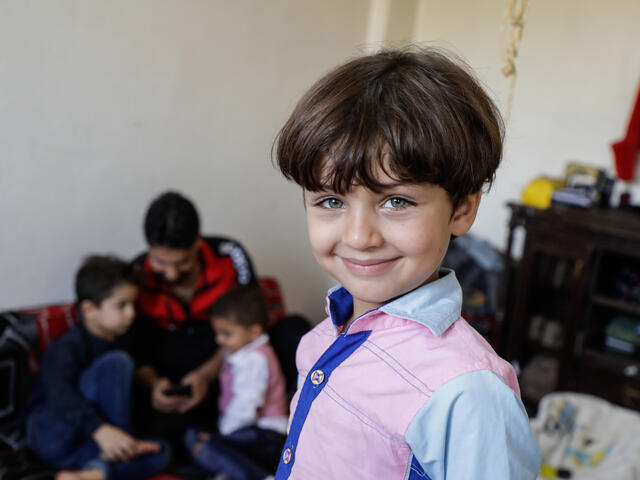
(183, 274)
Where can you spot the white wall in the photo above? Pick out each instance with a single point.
(104, 104)
(579, 72)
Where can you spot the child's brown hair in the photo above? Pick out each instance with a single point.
(99, 275)
(427, 111)
(244, 304)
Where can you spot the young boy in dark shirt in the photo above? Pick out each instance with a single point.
(82, 413)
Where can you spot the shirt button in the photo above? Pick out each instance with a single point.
(317, 377)
(287, 455)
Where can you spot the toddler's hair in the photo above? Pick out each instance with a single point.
(425, 110)
(244, 304)
(99, 275)
(172, 221)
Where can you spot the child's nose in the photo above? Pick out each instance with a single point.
(362, 231)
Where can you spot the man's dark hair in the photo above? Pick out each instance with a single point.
(172, 221)
(245, 304)
(426, 110)
(99, 275)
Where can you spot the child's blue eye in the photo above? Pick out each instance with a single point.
(396, 202)
(332, 203)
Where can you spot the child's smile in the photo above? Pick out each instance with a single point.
(382, 245)
(368, 266)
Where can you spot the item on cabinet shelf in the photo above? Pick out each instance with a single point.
(535, 327)
(539, 377)
(584, 197)
(628, 284)
(585, 187)
(552, 335)
(578, 175)
(606, 192)
(623, 335)
(539, 192)
(546, 332)
(561, 273)
(627, 205)
(626, 196)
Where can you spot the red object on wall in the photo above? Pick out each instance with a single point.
(626, 150)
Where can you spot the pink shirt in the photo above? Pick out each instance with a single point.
(409, 390)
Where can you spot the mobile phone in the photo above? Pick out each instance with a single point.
(178, 389)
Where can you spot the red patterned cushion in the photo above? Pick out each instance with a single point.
(52, 321)
(273, 298)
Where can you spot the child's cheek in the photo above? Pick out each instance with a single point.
(320, 236)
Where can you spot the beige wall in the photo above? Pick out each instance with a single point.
(579, 71)
(103, 104)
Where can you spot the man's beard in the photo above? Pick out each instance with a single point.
(182, 278)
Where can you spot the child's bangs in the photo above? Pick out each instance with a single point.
(354, 161)
(412, 117)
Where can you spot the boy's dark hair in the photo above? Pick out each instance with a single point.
(172, 221)
(245, 304)
(433, 116)
(99, 275)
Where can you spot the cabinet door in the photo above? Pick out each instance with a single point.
(548, 306)
(612, 377)
(610, 364)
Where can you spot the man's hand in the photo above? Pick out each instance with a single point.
(165, 403)
(199, 379)
(115, 444)
(199, 382)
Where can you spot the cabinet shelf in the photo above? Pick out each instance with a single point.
(622, 305)
(587, 247)
(538, 347)
(614, 360)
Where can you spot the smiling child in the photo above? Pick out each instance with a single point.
(392, 151)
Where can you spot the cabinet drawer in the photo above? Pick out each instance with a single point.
(612, 377)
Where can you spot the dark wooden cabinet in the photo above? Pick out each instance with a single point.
(562, 297)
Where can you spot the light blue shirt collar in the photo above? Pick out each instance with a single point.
(435, 305)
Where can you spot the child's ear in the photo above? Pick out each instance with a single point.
(87, 308)
(465, 214)
(256, 330)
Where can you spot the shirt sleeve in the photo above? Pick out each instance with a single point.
(248, 388)
(60, 373)
(474, 426)
(240, 259)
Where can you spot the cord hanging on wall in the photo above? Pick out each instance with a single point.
(512, 27)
